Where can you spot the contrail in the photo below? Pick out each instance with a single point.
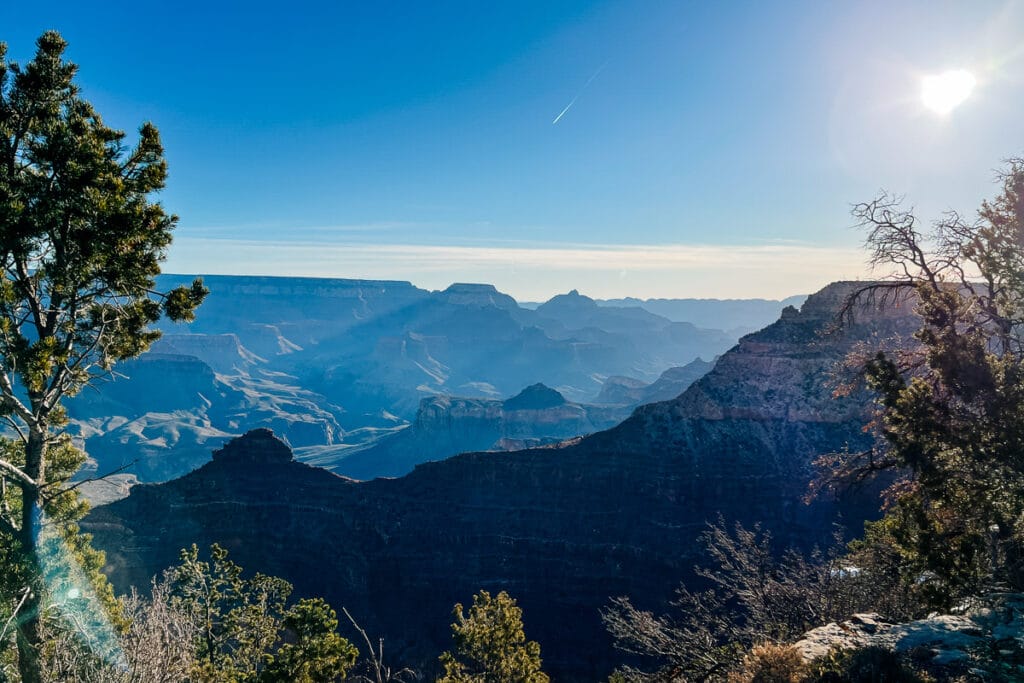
(573, 101)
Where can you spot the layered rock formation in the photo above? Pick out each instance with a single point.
(472, 341)
(630, 392)
(447, 425)
(648, 344)
(734, 315)
(152, 417)
(222, 352)
(562, 529)
(331, 364)
(163, 413)
(299, 311)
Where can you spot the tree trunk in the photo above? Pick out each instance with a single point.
(29, 642)
(30, 637)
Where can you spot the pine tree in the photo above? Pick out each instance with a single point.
(241, 622)
(80, 245)
(318, 654)
(491, 645)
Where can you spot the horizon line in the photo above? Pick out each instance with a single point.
(328, 278)
(536, 273)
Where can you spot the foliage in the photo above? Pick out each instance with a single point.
(318, 653)
(491, 645)
(159, 640)
(156, 646)
(80, 247)
(206, 623)
(755, 594)
(236, 619)
(771, 663)
(996, 660)
(238, 622)
(951, 410)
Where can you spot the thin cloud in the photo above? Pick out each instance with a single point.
(240, 231)
(774, 270)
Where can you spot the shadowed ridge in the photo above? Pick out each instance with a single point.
(535, 397)
(256, 447)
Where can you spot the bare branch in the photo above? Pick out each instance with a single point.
(16, 474)
(88, 480)
(10, 399)
(10, 620)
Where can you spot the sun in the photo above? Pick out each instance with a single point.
(942, 93)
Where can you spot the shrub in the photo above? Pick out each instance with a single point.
(771, 663)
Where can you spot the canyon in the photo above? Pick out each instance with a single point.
(332, 366)
(562, 528)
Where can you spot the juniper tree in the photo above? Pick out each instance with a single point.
(81, 242)
(950, 408)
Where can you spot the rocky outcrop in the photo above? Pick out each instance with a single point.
(535, 397)
(985, 635)
(619, 390)
(560, 528)
(258, 447)
(674, 381)
(478, 295)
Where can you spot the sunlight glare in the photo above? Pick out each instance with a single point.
(942, 93)
(73, 597)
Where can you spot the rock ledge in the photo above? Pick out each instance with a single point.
(939, 641)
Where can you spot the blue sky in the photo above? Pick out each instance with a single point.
(711, 149)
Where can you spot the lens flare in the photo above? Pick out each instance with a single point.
(71, 597)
